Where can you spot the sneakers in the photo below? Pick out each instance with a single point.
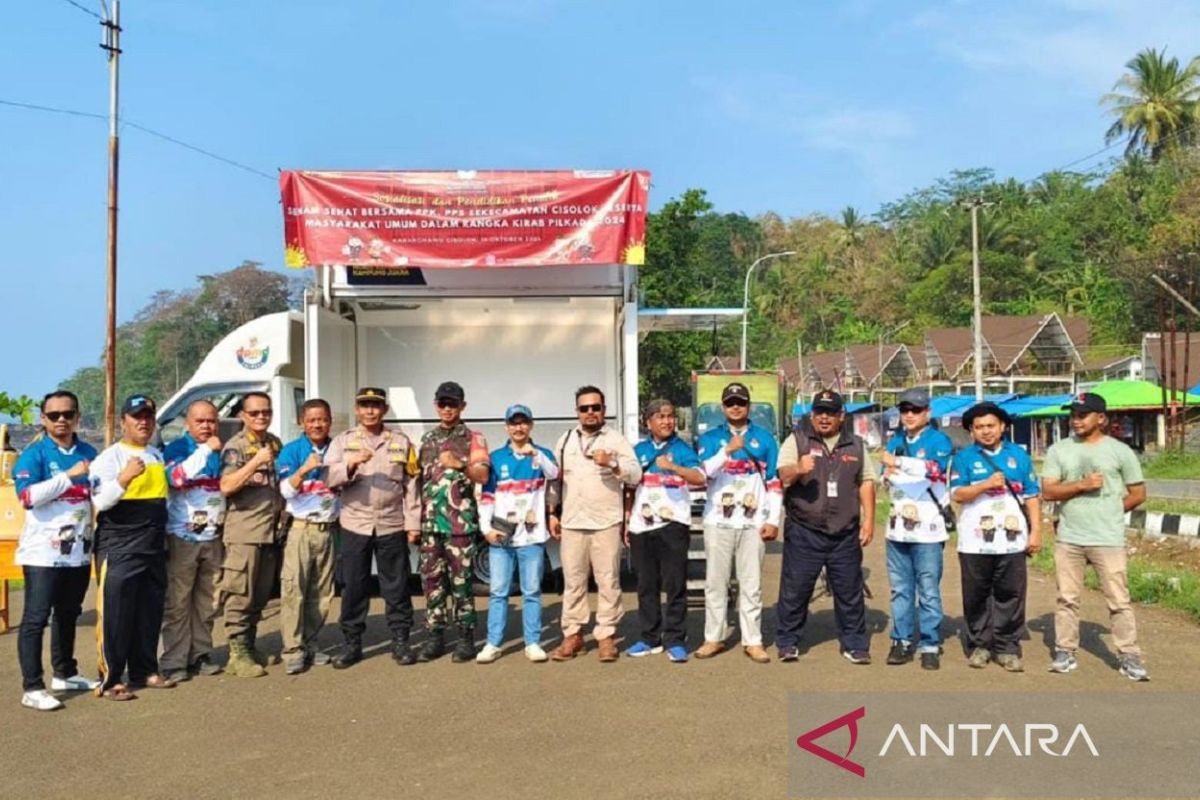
(75, 683)
(318, 658)
(677, 654)
(901, 653)
(535, 653)
(1011, 662)
(857, 656)
(931, 661)
(488, 654)
(295, 663)
(177, 675)
(1064, 662)
(979, 658)
(640, 649)
(40, 700)
(789, 653)
(206, 666)
(1133, 668)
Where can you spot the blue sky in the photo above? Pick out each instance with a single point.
(796, 107)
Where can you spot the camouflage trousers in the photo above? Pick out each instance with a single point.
(446, 576)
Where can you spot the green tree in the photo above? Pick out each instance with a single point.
(1155, 103)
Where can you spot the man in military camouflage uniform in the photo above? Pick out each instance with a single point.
(453, 458)
(250, 484)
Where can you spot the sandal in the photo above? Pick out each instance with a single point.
(157, 681)
(117, 693)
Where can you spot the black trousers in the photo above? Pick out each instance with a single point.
(53, 596)
(805, 553)
(993, 590)
(660, 559)
(391, 556)
(129, 609)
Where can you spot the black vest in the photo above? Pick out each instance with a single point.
(807, 502)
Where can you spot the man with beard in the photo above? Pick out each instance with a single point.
(597, 464)
(829, 497)
(1096, 479)
(454, 459)
(129, 489)
(375, 469)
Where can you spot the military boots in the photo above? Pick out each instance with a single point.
(465, 649)
(434, 647)
(241, 661)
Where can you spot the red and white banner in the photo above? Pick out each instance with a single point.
(465, 218)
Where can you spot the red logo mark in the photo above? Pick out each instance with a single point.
(808, 741)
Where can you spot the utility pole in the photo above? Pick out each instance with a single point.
(111, 23)
(746, 298)
(976, 203)
(800, 367)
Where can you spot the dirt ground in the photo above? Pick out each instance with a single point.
(636, 728)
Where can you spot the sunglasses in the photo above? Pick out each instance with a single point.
(910, 410)
(824, 412)
(735, 402)
(55, 416)
(259, 412)
(447, 403)
(590, 408)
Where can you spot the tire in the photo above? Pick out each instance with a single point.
(481, 572)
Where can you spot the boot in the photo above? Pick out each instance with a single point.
(241, 663)
(434, 647)
(402, 654)
(465, 649)
(257, 655)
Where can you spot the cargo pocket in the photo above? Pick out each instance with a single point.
(235, 573)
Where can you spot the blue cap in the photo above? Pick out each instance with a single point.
(517, 410)
(136, 404)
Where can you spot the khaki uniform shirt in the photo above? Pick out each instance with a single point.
(593, 496)
(383, 494)
(252, 513)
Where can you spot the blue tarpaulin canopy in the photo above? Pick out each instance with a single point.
(1021, 406)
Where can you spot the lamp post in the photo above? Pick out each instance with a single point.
(746, 296)
(882, 337)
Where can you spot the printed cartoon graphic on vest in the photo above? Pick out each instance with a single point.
(749, 505)
(727, 506)
(1012, 527)
(647, 514)
(910, 518)
(987, 526)
(530, 520)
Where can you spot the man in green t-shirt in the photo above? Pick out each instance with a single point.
(1095, 479)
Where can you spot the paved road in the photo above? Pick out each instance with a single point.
(513, 729)
(1180, 490)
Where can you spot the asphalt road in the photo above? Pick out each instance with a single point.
(1178, 490)
(636, 728)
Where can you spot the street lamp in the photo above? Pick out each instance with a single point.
(746, 296)
(885, 335)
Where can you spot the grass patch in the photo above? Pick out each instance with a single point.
(1174, 465)
(1169, 505)
(1156, 577)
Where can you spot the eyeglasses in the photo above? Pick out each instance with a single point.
(55, 416)
(448, 403)
(910, 410)
(590, 408)
(258, 412)
(735, 402)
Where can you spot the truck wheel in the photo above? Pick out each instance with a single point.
(481, 568)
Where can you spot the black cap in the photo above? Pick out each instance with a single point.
(450, 391)
(371, 393)
(982, 410)
(827, 400)
(136, 404)
(735, 391)
(914, 397)
(1087, 402)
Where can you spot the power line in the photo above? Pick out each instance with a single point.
(144, 129)
(85, 10)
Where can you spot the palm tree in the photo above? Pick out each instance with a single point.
(1156, 103)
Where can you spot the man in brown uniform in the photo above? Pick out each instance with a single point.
(375, 467)
(250, 484)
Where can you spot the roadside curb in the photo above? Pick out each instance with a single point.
(1164, 524)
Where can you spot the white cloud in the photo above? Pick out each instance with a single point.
(1081, 43)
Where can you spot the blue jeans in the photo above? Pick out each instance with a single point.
(916, 566)
(528, 560)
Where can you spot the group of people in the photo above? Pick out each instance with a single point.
(181, 535)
